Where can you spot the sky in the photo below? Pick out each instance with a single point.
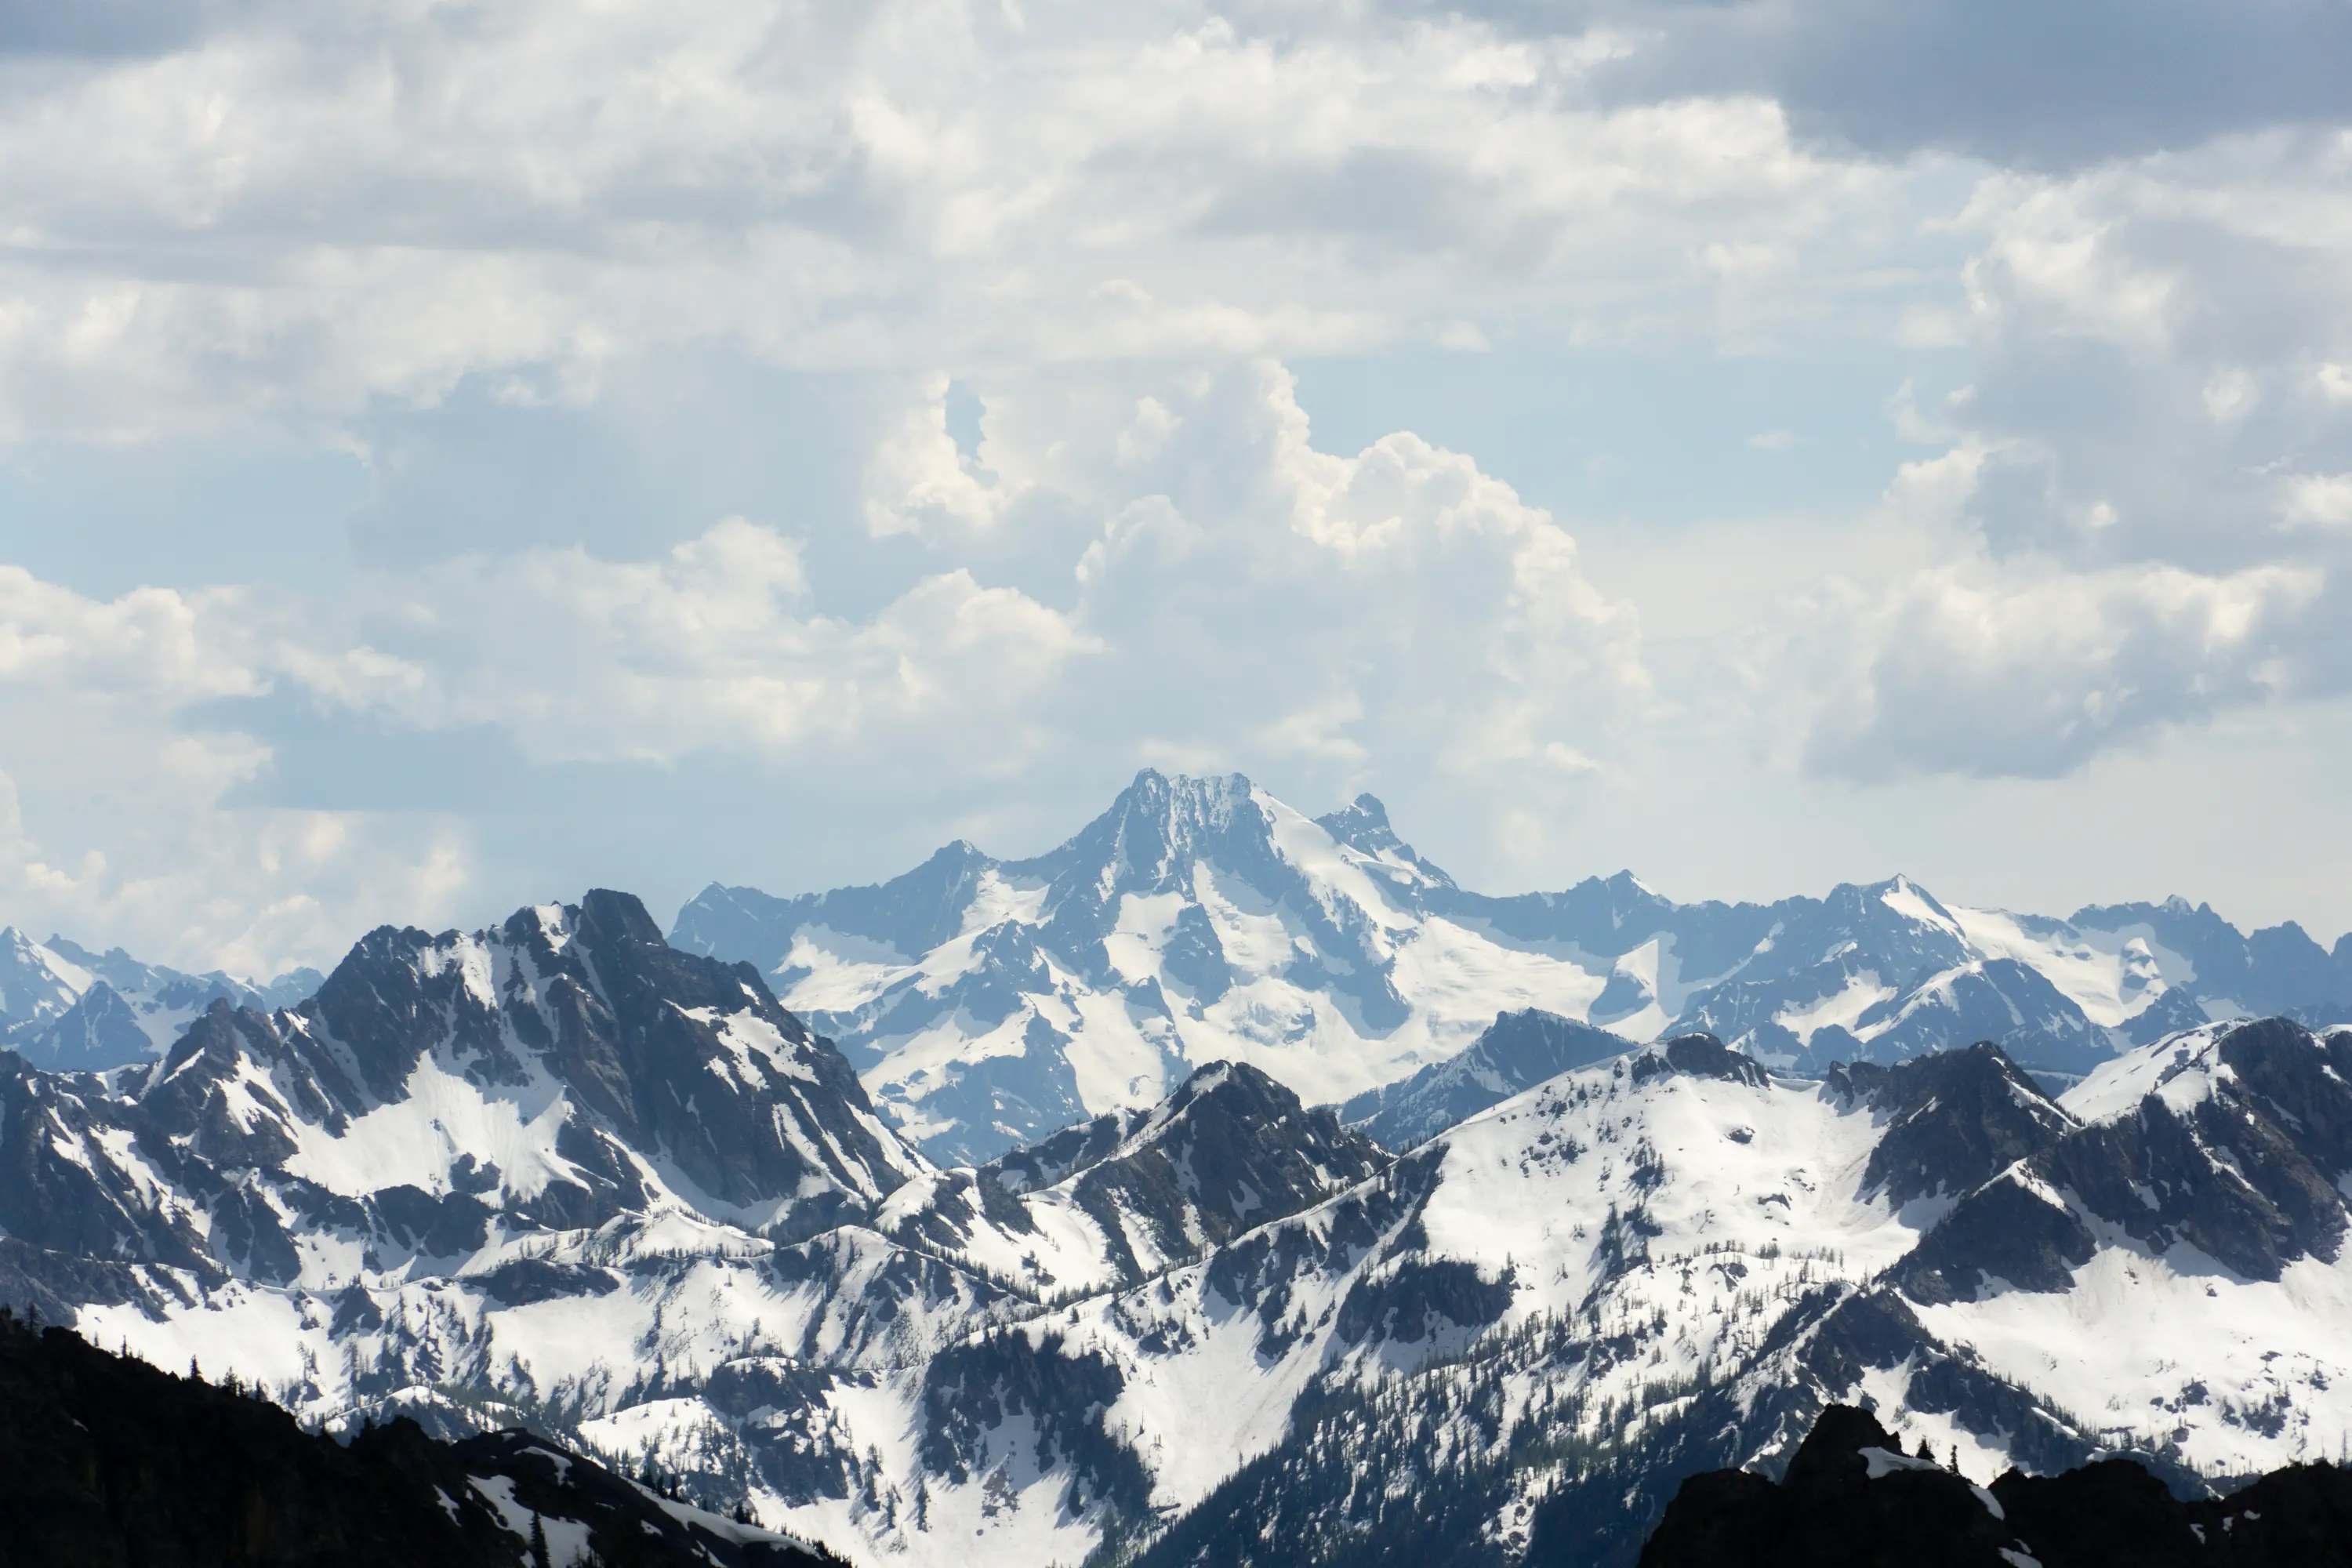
(455, 454)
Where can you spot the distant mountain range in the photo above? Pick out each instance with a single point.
(64, 1006)
(986, 1003)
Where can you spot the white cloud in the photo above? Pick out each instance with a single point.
(120, 809)
(2141, 527)
(2030, 671)
(1217, 588)
(2316, 500)
(1113, 225)
(288, 224)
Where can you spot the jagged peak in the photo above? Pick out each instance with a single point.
(1698, 1055)
(1178, 797)
(610, 914)
(1201, 1088)
(1365, 813)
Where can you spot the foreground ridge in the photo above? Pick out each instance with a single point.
(105, 1460)
(1853, 1495)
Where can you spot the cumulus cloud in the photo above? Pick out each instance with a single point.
(1177, 574)
(2142, 506)
(712, 647)
(2027, 670)
(287, 223)
(117, 810)
(1167, 568)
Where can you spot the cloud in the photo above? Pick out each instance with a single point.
(116, 801)
(712, 647)
(1155, 558)
(2316, 500)
(1171, 568)
(642, 325)
(295, 224)
(2140, 513)
(2028, 671)
(2012, 82)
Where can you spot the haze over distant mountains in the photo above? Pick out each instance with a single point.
(987, 1002)
(62, 1005)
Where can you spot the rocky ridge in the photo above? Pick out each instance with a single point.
(107, 1462)
(1852, 1495)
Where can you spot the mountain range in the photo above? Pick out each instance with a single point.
(62, 1005)
(561, 1175)
(1492, 1307)
(986, 1003)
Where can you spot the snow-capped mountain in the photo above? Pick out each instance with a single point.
(439, 1097)
(64, 1006)
(986, 1003)
(562, 1172)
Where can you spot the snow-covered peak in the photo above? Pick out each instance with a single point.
(1913, 902)
(35, 980)
(986, 1003)
(1125, 1196)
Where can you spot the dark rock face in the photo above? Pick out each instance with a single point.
(1827, 1508)
(1852, 1496)
(107, 1462)
(1700, 1056)
(1953, 1120)
(1229, 1149)
(663, 1059)
(2245, 1168)
(1518, 1051)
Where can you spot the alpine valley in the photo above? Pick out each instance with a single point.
(1227, 1186)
